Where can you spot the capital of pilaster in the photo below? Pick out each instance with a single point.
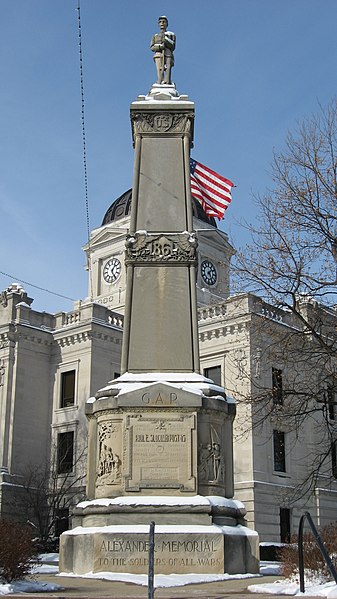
(158, 118)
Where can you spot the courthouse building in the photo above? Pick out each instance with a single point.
(50, 364)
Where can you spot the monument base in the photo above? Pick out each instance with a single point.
(209, 538)
(160, 450)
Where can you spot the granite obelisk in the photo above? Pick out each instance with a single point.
(161, 332)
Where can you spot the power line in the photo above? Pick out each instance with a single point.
(36, 286)
(85, 178)
(84, 145)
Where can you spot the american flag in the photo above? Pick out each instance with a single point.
(212, 190)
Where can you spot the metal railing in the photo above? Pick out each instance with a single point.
(320, 545)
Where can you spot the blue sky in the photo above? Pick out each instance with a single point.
(254, 69)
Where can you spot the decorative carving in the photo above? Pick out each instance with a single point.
(148, 122)
(257, 363)
(109, 462)
(162, 425)
(3, 299)
(5, 341)
(240, 360)
(163, 122)
(211, 460)
(174, 247)
(19, 294)
(2, 373)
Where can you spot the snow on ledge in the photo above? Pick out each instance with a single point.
(172, 377)
(186, 381)
(211, 500)
(129, 386)
(173, 529)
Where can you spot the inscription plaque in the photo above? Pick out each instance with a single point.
(161, 395)
(172, 553)
(160, 449)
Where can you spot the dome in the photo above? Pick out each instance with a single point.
(122, 207)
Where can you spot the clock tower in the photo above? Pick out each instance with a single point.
(107, 247)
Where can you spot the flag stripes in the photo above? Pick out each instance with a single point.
(211, 189)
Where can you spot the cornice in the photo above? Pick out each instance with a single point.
(80, 337)
(74, 338)
(23, 333)
(35, 338)
(229, 330)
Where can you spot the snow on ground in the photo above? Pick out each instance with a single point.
(163, 580)
(28, 586)
(45, 569)
(282, 587)
(314, 587)
(49, 558)
(270, 568)
(49, 565)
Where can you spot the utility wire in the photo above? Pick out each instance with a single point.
(36, 286)
(84, 145)
(85, 178)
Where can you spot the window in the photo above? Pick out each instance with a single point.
(279, 451)
(334, 459)
(213, 373)
(276, 376)
(285, 524)
(331, 402)
(65, 452)
(67, 388)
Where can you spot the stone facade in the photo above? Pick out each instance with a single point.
(37, 350)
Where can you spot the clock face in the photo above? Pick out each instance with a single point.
(208, 272)
(112, 270)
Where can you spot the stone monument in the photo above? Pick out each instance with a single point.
(160, 436)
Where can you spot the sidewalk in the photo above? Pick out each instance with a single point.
(81, 588)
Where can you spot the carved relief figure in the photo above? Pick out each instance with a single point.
(218, 464)
(163, 45)
(211, 460)
(205, 463)
(109, 462)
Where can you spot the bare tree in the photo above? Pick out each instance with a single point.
(50, 491)
(291, 265)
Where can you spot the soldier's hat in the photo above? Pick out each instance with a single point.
(163, 17)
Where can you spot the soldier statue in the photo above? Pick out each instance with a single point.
(163, 44)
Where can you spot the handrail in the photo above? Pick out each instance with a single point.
(321, 547)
